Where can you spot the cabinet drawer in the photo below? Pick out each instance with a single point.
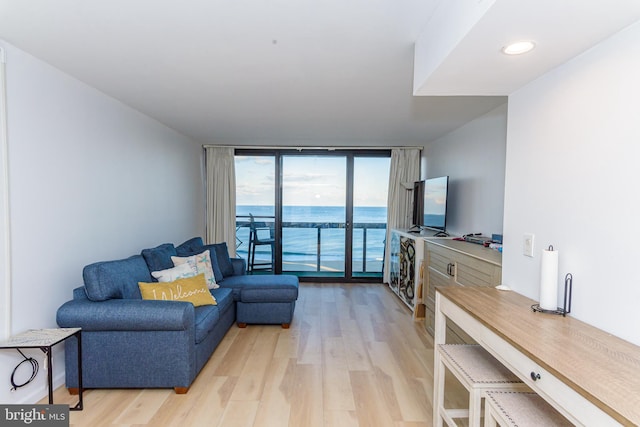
(438, 259)
(473, 272)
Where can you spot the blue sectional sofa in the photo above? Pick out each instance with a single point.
(130, 342)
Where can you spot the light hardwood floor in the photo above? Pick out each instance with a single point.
(352, 357)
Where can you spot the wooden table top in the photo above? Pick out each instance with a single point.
(601, 367)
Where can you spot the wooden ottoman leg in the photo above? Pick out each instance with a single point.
(242, 325)
(181, 390)
(285, 326)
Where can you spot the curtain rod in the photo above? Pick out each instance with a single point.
(300, 148)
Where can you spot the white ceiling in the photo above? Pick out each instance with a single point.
(459, 53)
(292, 72)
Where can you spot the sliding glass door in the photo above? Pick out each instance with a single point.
(255, 204)
(370, 189)
(324, 210)
(314, 215)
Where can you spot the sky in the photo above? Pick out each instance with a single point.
(311, 180)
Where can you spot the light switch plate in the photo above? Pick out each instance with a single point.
(527, 244)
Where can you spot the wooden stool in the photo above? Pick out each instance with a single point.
(478, 371)
(520, 409)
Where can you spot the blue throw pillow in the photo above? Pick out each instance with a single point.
(224, 261)
(191, 247)
(159, 258)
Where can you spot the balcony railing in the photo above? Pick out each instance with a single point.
(305, 253)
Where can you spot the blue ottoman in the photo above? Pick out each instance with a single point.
(264, 299)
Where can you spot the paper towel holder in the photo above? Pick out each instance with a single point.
(568, 293)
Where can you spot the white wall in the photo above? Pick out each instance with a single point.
(89, 180)
(573, 146)
(5, 268)
(474, 158)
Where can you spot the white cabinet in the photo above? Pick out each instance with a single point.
(405, 262)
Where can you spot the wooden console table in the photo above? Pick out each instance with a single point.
(590, 376)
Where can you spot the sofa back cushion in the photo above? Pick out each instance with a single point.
(115, 279)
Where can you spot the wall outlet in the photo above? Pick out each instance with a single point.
(527, 244)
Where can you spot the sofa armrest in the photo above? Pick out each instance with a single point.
(126, 315)
(239, 266)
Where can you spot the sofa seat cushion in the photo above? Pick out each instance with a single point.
(263, 288)
(206, 318)
(115, 279)
(224, 297)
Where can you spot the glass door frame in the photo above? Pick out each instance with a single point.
(350, 155)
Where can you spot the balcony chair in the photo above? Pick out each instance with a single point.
(260, 234)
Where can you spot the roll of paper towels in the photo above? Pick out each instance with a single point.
(549, 280)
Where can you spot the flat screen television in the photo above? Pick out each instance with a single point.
(435, 203)
(418, 204)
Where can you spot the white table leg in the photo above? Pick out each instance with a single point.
(438, 366)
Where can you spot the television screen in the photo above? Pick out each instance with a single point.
(435, 203)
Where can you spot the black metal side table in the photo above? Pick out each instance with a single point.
(44, 339)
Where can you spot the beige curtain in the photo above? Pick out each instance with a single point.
(221, 197)
(404, 171)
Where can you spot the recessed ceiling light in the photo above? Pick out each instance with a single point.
(518, 48)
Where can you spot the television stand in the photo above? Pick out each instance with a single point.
(429, 232)
(406, 249)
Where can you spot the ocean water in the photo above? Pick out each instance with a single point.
(300, 245)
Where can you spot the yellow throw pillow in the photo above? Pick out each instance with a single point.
(192, 289)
